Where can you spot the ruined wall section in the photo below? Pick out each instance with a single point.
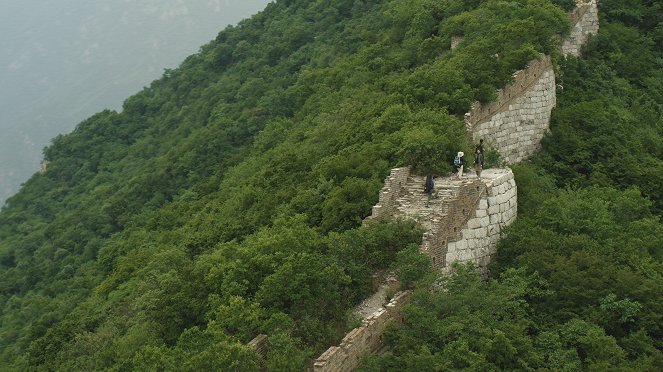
(362, 340)
(390, 192)
(460, 207)
(517, 121)
(261, 345)
(585, 22)
(496, 210)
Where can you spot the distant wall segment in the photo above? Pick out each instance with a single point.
(585, 22)
(517, 121)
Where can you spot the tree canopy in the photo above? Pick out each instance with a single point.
(226, 199)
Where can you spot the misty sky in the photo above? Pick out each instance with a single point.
(64, 60)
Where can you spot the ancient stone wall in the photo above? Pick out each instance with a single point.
(460, 207)
(261, 346)
(362, 340)
(518, 120)
(585, 22)
(456, 40)
(392, 190)
(496, 209)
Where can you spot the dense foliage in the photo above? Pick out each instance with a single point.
(578, 281)
(225, 199)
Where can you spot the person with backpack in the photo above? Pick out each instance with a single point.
(478, 161)
(459, 162)
(429, 188)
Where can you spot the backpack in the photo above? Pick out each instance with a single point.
(457, 162)
(478, 159)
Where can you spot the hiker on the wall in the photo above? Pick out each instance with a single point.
(480, 146)
(478, 161)
(459, 162)
(429, 188)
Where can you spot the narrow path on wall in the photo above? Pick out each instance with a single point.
(414, 204)
(434, 216)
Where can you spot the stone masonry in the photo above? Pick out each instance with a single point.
(365, 339)
(464, 222)
(497, 209)
(518, 120)
(444, 217)
(585, 21)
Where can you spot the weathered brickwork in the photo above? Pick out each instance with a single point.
(496, 209)
(261, 346)
(362, 340)
(392, 189)
(518, 120)
(585, 22)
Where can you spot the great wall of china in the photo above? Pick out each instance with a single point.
(463, 224)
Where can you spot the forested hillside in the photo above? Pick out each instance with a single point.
(225, 199)
(579, 277)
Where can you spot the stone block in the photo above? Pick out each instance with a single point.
(473, 223)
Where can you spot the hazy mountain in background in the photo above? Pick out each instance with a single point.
(61, 61)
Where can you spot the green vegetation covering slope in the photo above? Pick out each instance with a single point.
(225, 199)
(578, 281)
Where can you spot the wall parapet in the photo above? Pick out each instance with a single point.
(522, 81)
(365, 339)
(584, 22)
(390, 192)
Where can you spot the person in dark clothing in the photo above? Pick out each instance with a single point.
(480, 146)
(478, 161)
(429, 188)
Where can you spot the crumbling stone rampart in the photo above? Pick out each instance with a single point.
(517, 121)
(464, 223)
(362, 340)
(585, 22)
